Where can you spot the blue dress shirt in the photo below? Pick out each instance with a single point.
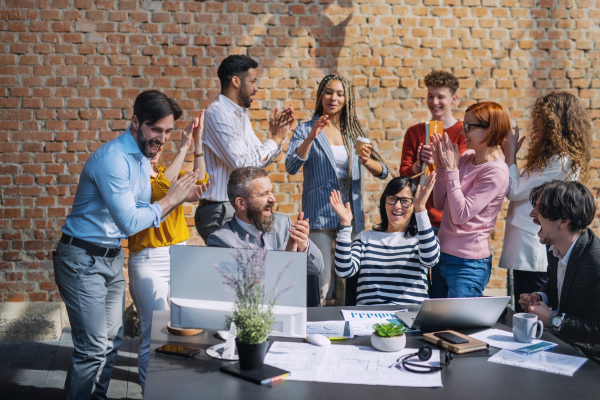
(112, 200)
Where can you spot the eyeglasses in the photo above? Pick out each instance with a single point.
(467, 126)
(404, 201)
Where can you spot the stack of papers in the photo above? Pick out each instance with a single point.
(543, 361)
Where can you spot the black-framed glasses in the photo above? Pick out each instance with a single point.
(404, 201)
(467, 126)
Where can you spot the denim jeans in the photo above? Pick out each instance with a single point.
(93, 290)
(460, 277)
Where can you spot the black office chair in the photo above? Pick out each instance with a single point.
(312, 291)
(351, 284)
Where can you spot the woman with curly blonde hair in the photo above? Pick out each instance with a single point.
(559, 149)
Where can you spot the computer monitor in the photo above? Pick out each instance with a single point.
(200, 299)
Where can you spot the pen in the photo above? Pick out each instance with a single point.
(337, 338)
(274, 379)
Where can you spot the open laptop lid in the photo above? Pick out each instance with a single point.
(200, 299)
(440, 314)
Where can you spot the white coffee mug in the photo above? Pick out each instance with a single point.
(524, 325)
(359, 143)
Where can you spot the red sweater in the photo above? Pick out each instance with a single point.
(415, 135)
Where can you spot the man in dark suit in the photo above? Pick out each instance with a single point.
(569, 302)
(250, 191)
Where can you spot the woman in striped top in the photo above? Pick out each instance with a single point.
(393, 258)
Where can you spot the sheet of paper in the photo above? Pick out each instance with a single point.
(362, 321)
(301, 359)
(543, 361)
(501, 339)
(360, 365)
(329, 328)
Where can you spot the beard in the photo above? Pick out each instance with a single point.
(263, 223)
(144, 145)
(245, 96)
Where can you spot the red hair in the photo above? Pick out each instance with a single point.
(495, 118)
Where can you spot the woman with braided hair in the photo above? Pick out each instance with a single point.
(324, 146)
(559, 149)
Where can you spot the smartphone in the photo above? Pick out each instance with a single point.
(534, 348)
(451, 337)
(175, 350)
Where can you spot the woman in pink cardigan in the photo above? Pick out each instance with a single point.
(470, 189)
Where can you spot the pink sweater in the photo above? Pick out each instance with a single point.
(471, 199)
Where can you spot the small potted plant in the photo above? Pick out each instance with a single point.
(389, 337)
(253, 305)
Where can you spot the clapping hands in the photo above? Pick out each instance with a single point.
(298, 240)
(445, 153)
(280, 123)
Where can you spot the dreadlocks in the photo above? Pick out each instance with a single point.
(349, 125)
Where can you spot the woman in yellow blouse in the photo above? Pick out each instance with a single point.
(149, 255)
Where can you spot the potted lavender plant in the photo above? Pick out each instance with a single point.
(253, 306)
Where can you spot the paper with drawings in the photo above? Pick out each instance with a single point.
(501, 339)
(543, 361)
(362, 321)
(361, 365)
(329, 328)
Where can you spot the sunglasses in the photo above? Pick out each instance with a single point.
(404, 201)
(467, 126)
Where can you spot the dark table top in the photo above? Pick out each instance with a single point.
(469, 376)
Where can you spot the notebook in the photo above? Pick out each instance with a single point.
(472, 345)
(267, 374)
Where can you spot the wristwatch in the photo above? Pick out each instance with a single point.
(557, 322)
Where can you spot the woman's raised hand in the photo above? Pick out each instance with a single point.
(198, 131)
(186, 135)
(365, 154)
(512, 145)
(317, 127)
(344, 212)
(423, 193)
(445, 153)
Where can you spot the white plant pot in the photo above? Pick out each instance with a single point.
(394, 343)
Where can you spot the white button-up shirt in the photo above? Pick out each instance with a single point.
(229, 142)
(563, 261)
(562, 266)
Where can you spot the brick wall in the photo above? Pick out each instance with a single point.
(69, 71)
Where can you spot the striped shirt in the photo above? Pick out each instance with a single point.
(229, 142)
(392, 267)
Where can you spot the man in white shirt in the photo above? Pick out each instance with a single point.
(230, 142)
(569, 302)
(255, 225)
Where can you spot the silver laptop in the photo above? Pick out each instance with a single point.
(200, 299)
(471, 312)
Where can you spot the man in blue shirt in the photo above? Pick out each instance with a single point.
(112, 202)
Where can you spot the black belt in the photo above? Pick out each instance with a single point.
(204, 202)
(90, 248)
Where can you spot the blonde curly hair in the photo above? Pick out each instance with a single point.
(567, 131)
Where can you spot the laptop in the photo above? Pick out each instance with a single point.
(440, 314)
